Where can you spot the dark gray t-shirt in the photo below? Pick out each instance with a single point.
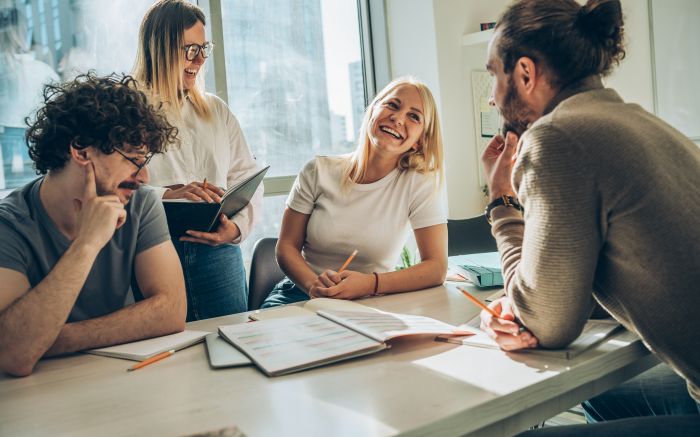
(32, 245)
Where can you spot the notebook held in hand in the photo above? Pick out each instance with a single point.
(185, 214)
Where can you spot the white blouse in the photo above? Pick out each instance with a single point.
(215, 150)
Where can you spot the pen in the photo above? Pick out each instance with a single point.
(204, 184)
(348, 261)
(153, 359)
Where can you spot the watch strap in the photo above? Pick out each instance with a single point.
(504, 200)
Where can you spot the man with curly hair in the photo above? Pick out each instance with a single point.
(77, 239)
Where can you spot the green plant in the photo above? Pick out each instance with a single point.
(407, 258)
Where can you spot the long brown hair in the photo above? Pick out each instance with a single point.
(160, 58)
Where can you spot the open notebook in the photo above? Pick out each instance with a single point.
(290, 344)
(185, 214)
(310, 307)
(141, 350)
(594, 333)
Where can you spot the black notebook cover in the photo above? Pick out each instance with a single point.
(201, 216)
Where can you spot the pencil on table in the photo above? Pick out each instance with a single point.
(348, 261)
(153, 359)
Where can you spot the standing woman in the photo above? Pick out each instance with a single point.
(369, 201)
(171, 53)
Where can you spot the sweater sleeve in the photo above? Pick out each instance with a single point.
(549, 256)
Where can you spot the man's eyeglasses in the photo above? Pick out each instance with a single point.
(193, 50)
(135, 161)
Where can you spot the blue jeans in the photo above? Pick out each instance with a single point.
(284, 292)
(654, 404)
(215, 279)
(657, 392)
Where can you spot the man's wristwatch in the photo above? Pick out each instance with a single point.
(505, 201)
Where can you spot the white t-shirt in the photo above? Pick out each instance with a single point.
(215, 150)
(373, 218)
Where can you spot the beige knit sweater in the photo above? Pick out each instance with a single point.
(612, 212)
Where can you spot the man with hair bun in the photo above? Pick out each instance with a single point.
(76, 240)
(592, 200)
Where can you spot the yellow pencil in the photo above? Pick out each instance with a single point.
(478, 303)
(348, 261)
(148, 361)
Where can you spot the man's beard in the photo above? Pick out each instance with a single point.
(514, 111)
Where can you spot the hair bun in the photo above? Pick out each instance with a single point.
(601, 20)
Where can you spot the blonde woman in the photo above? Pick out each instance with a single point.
(368, 201)
(171, 54)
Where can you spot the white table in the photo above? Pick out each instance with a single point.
(418, 387)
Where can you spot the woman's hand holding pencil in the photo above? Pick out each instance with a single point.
(343, 284)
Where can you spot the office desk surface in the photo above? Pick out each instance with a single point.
(417, 387)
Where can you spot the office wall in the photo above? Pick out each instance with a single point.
(425, 41)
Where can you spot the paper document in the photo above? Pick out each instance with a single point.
(594, 333)
(383, 326)
(290, 344)
(141, 350)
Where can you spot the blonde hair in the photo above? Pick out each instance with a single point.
(160, 58)
(426, 159)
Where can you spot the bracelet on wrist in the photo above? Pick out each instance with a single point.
(376, 283)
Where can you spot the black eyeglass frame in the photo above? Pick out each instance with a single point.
(134, 161)
(206, 49)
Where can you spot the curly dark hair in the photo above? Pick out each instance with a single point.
(574, 41)
(101, 112)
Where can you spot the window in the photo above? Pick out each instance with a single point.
(292, 74)
(294, 79)
(43, 41)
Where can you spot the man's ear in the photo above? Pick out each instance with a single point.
(81, 156)
(527, 75)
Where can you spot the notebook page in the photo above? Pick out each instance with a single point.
(283, 344)
(383, 326)
(310, 307)
(594, 333)
(140, 350)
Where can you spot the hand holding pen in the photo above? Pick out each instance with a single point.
(195, 191)
(498, 322)
(342, 284)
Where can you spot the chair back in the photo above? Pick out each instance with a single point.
(472, 235)
(264, 272)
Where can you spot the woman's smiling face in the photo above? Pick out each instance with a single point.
(397, 122)
(193, 35)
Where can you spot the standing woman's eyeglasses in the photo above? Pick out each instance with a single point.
(193, 50)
